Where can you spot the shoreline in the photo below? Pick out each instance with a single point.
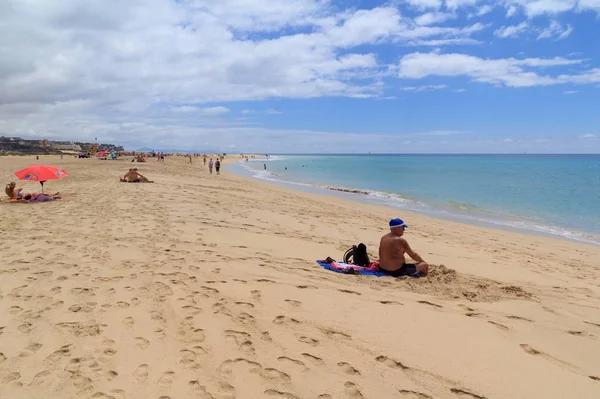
(482, 218)
(207, 285)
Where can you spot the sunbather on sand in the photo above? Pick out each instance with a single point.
(40, 197)
(134, 177)
(392, 248)
(13, 192)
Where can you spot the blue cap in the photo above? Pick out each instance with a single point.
(397, 222)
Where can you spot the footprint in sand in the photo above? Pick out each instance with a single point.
(278, 394)
(33, 347)
(111, 375)
(292, 362)
(498, 325)
(25, 328)
(348, 369)
(352, 390)
(391, 363)
(198, 389)
(123, 305)
(128, 321)
(431, 304)
(141, 342)
(83, 307)
(304, 287)
(245, 304)
(166, 380)
(308, 340)
(414, 394)
(256, 294)
(285, 320)
(265, 336)
(274, 374)
(593, 377)
(390, 303)
(160, 333)
(293, 302)
(313, 358)
(141, 373)
(519, 318)
(40, 378)
(466, 394)
(336, 334)
(528, 349)
(350, 292)
(14, 309)
(10, 377)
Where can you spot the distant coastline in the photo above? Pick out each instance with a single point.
(20, 146)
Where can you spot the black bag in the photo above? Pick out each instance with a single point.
(357, 255)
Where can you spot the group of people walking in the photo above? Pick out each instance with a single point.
(216, 165)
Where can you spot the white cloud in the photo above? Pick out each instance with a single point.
(81, 69)
(507, 72)
(459, 90)
(418, 89)
(534, 8)
(432, 18)
(511, 11)
(485, 9)
(454, 4)
(571, 92)
(589, 136)
(589, 5)
(556, 30)
(272, 111)
(424, 4)
(508, 140)
(511, 31)
(214, 110)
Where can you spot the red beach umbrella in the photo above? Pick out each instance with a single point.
(41, 173)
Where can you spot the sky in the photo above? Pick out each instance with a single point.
(305, 76)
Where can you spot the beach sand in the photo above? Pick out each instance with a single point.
(204, 286)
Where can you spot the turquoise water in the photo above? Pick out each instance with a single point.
(549, 194)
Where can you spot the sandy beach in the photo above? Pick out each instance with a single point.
(204, 286)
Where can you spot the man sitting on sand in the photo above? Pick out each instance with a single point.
(392, 248)
(134, 177)
(13, 192)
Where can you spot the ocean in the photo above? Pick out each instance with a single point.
(556, 195)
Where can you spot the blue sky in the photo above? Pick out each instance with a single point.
(308, 76)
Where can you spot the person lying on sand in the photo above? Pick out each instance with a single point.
(134, 177)
(392, 248)
(13, 192)
(40, 197)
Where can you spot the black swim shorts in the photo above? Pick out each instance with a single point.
(405, 270)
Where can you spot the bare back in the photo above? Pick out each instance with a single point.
(391, 252)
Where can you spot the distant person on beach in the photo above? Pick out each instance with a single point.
(190, 157)
(210, 166)
(13, 192)
(265, 166)
(392, 248)
(40, 197)
(218, 166)
(205, 160)
(134, 177)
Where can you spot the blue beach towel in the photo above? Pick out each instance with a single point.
(345, 268)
